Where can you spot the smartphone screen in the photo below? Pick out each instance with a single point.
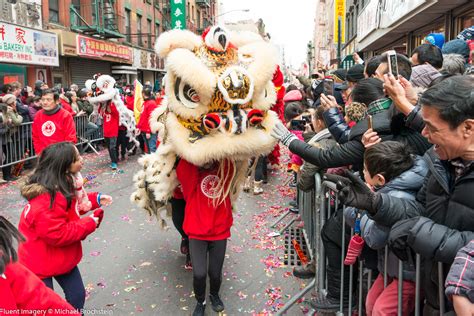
(298, 125)
(306, 118)
(328, 86)
(392, 57)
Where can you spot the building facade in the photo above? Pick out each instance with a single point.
(91, 36)
(375, 26)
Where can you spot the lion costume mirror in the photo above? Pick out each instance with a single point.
(219, 93)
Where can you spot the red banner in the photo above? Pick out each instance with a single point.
(91, 47)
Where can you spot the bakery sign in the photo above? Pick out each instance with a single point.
(22, 45)
(91, 47)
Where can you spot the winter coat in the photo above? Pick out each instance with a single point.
(23, 291)
(111, 120)
(53, 233)
(23, 110)
(144, 122)
(323, 140)
(460, 279)
(203, 219)
(32, 111)
(129, 102)
(352, 152)
(447, 223)
(375, 235)
(85, 106)
(337, 125)
(51, 127)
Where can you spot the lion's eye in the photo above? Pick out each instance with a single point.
(186, 94)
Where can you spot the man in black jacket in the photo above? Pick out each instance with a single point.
(441, 219)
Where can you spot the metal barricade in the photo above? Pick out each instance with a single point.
(316, 208)
(19, 145)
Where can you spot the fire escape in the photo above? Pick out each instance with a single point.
(96, 18)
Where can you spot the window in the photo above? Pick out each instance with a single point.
(54, 11)
(149, 37)
(198, 19)
(192, 14)
(128, 30)
(139, 30)
(188, 14)
(157, 30)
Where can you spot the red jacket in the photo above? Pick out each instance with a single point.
(144, 122)
(54, 128)
(24, 291)
(129, 102)
(111, 120)
(53, 235)
(67, 106)
(202, 218)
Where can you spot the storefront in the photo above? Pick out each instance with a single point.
(147, 67)
(403, 25)
(26, 54)
(83, 56)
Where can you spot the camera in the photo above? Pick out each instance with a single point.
(298, 125)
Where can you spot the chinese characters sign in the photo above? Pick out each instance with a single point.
(25, 13)
(178, 14)
(21, 45)
(87, 46)
(339, 12)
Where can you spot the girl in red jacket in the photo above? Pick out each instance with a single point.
(111, 118)
(52, 224)
(207, 222)
(22, 291)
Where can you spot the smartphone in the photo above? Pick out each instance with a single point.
(328, 86)
(392, 63)
(370, 122)
(298, 125)
(306, 118)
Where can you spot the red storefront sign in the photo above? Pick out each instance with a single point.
(91, 47)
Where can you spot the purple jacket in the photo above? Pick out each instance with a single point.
(32, 111)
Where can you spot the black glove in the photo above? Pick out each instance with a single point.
(354, 192)
(398, 238)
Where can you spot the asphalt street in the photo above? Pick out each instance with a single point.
(131, 266)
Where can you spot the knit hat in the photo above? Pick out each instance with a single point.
(423, 75)
(355, 73)
(340, 73)
(456, 46)
(435, 39)
(8, 98)
(38, 84)
(293, 95)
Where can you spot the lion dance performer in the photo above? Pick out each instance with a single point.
(219, 94)
(108, 103)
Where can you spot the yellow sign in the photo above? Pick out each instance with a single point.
(340, 11)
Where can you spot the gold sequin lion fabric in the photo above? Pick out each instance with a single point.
(219, 92)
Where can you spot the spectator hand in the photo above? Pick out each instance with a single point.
(281, 133)
(370, 138)
(148, 135)
(393, 88)
(354, 192)
(398, 238)
(409, 91)
(105, 200)
(98, 216)
(328, 101)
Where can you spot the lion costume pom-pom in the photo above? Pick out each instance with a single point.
(219, 93)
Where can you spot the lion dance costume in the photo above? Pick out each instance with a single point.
(219, 93)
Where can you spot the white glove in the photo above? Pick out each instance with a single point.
(281, 133)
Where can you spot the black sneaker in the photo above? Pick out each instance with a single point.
(184, 248)
(323, 303)
(305, 272)
(199, 309)
(216, 303)
(294, 210)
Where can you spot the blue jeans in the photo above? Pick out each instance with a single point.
(72, 285)
(151, 143)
